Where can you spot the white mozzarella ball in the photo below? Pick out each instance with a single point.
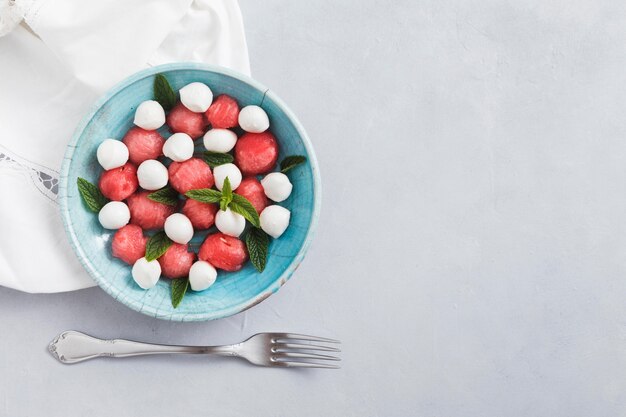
(112, 154)
(178, 228)
(277, 186)
(152, 175)
(114, 215)
(150, 115)
(253, 119)
(274, 220)
(201, 275)
(178, 147)
(220, 140)
(231, 171)
(197, 97)
(230, 223)
(146, 274)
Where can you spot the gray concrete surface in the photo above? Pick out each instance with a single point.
(471, 253)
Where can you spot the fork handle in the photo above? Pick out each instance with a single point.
(73, 346)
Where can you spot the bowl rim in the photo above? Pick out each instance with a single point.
(95, 274)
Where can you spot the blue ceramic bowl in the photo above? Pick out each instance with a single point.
(233, 292)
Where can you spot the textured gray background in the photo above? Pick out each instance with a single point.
(471, 253)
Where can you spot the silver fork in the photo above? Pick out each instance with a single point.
(264, 349)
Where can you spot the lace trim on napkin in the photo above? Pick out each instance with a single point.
(46, 180)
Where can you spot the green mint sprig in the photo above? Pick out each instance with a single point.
(91, 195)
(163, 92)
(291, 162)
(179, 288)
(214, 159)
(244, 207)
(257, 242)
(205, 195)
(165, 195)
(227, 195)
(227, 199)
(157, 245)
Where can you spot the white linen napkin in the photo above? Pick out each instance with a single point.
(52, 68)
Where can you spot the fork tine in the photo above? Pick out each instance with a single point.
(305, 346)
(299, 355)
(305, 365)
(286, 336)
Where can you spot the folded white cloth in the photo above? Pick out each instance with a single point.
(51, 70)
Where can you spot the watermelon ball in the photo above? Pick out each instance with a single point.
(223, 113)
(143, 144)
(182, 120)
(192, 174)
(223, 252)
(252, 190)
(129, 244)
(256, 153)
(176, 261)
(119, 183)
(146, 213)
(201, 215)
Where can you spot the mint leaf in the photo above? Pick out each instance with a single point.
(227, 194)
(157, 245)
(91, 195)
(165, 195)
(204, 195)
(179, 288)
(258, 243)
(242, 206)
(214, 159)
(291, 162)
(163, 92)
